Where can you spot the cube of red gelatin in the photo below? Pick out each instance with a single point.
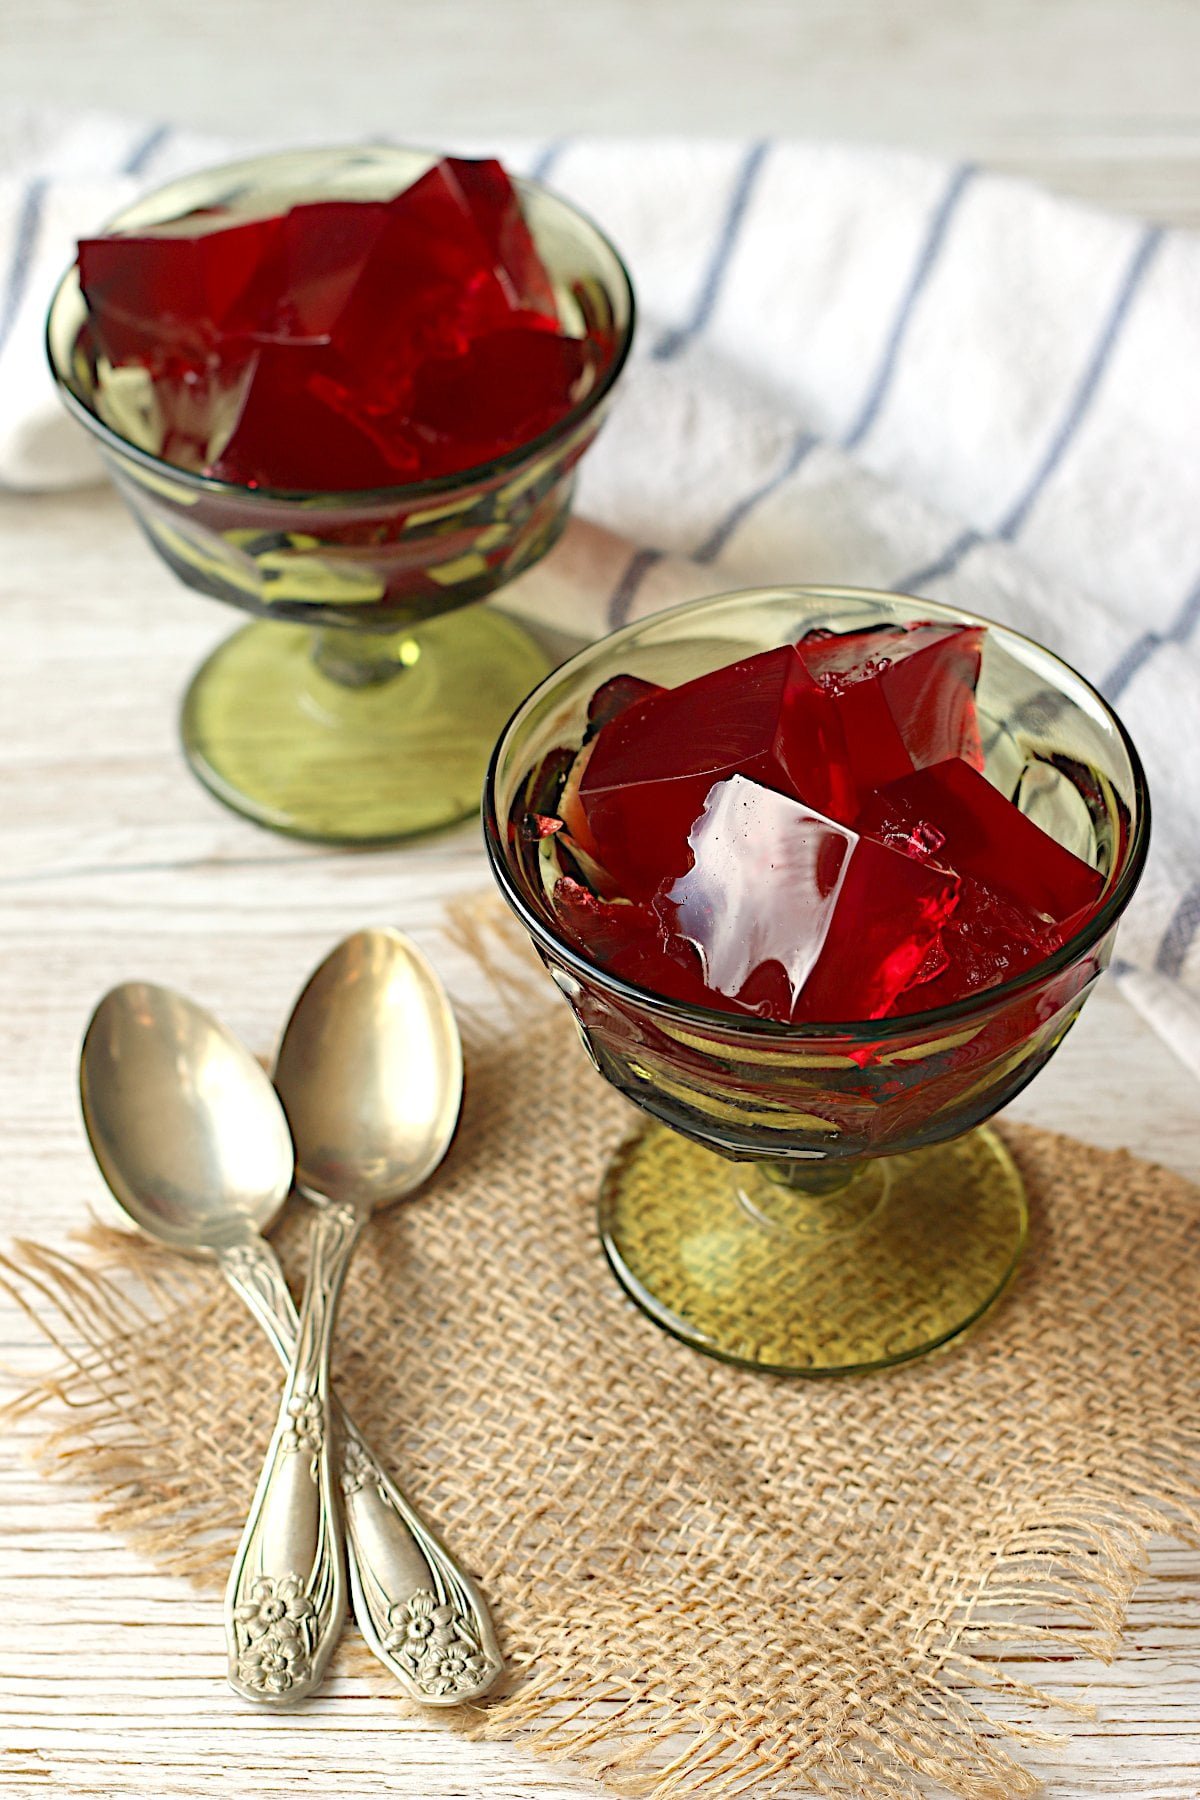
(174, 296)
(506, 388)
(492, 201)
(429, 286)
(762, 889)
(1021, 890)
(886, 930)
(906, 694)
(323, 248)
(819, 761)
(649, 771)
(988, 940)
(288, 435)
(986, 837)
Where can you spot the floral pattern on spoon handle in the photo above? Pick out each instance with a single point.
(286, 1599)
(420, 1614)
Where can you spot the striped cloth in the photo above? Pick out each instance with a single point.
(853, 366)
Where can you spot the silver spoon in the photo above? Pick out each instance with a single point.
(370, 1075)
(192, 1141)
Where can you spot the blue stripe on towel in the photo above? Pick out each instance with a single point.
(625, 592)
(927, 256)
(145, 150)
(1068, 428)
(1180, 935)
(941, 565)
(674, 340)
(1143, 648)
(25, 239)
(715, 542)
(935, 238)
(1085, 393)
(545, 161)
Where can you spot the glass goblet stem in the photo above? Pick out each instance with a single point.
(357, 659)
(810, 1177)
(810, 1199)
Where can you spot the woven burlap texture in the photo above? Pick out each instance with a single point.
(707, 1581)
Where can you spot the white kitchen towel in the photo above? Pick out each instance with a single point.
(853, 365)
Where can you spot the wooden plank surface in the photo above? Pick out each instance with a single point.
(114, 863)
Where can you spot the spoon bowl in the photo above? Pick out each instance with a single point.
(370, 1072)
(184, 1124)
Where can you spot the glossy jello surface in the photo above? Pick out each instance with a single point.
(805, 834)
(341, 344)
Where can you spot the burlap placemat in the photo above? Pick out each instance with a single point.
(707, 1582)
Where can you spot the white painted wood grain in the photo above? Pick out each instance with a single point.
(114, 863)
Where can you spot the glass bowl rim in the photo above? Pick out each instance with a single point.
(902, 1025)
(336, 499)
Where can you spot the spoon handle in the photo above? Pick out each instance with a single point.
(286, 1599)
(255, 1273)
(420, 1613)
(399, 1572)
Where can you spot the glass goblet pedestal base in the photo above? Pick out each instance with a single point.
(357, 737)
(740, 1261)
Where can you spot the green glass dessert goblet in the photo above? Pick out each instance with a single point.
(822, 1196)
(361, 704)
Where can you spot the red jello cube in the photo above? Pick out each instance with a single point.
(984, 836)
(289, 434)
(649, 771)
(988, 940)
(812, 749)
(886, 930)
(324, 246)
(491, 200)
(647, 774)
(506, 388)
(429, 286)
(765, 877)
(172, 297)
(1020, 889)
(848, 923)
(906, 694)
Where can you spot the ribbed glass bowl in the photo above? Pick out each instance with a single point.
(364, 708)
(820, 1197)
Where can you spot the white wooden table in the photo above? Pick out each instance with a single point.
(114, 863)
